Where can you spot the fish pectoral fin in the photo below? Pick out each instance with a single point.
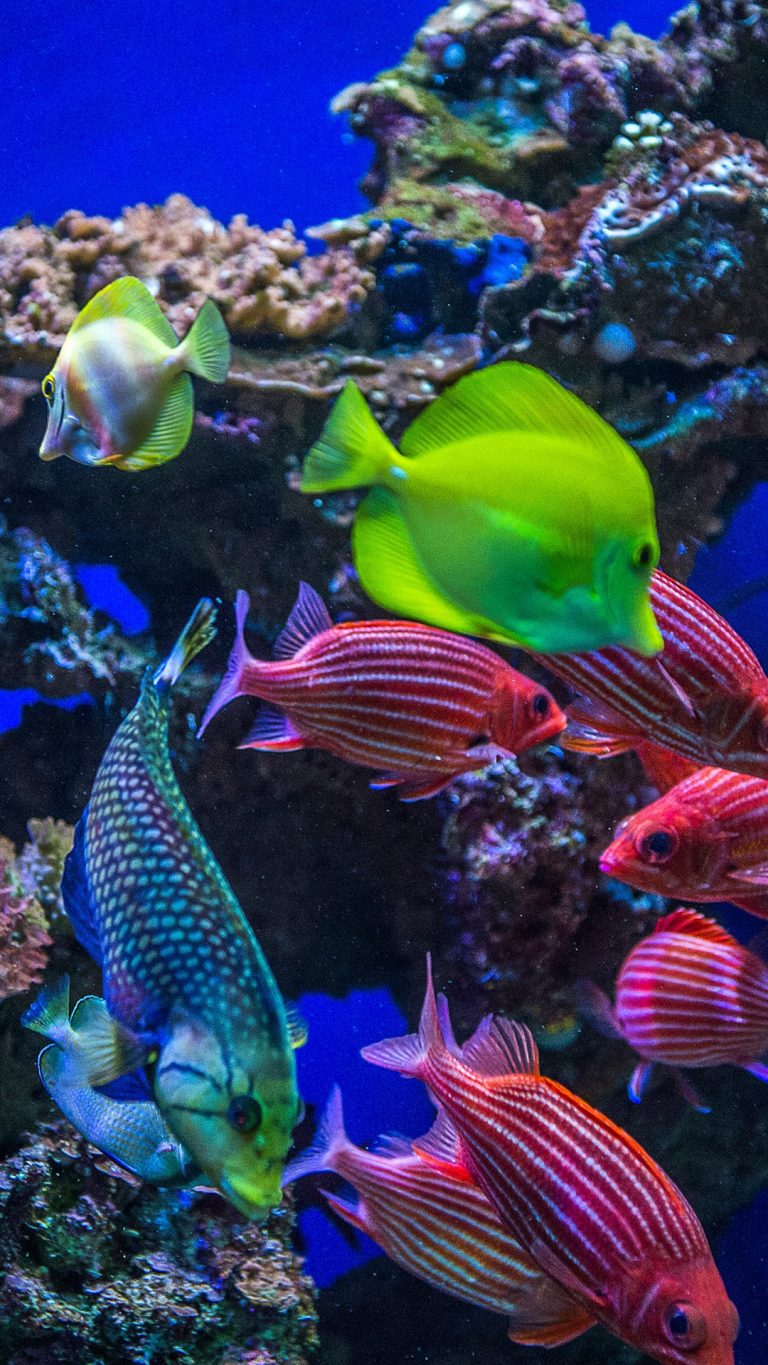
(127, 298)
(298, 1029)
(390, 570)
(757, 875)
(171, 431)
(570, 1323)
(485, 754)
(594, 728)
(107, 1048)
(559, 1270)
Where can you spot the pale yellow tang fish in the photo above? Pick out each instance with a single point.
(120, 391)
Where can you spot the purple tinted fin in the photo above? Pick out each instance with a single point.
(391, 1145)
(677, 690)
(638, 1081)
(328, 1140)
(309, 617)
(758, 945)
(689, 1092)
(500, 1047)
(442, 1141)
(354, 1214)
(274, 730)
(230, 686)
(759, 1069)
(408, 1054)
(594, 1006)
(413, 786)
(76, 894)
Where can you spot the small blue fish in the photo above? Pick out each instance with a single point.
(188, 995)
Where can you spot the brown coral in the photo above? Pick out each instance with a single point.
(24, 937)
(264, 281)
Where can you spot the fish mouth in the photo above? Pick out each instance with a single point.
(608, 865)
(236, 1191)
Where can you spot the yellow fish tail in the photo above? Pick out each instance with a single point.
(206, 347)
(352, 452)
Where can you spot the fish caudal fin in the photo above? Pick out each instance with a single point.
(323, 1150)
(49, 1013)
(206, 348)
(352, 452)
(230, 686)
(409, 1053)
(197, 633)
(170, 433)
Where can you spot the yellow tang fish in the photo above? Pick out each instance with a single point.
(120, 391)
(511, 511)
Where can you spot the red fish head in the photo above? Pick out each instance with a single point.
(522, 713)
(667, 849)
(683, 1318)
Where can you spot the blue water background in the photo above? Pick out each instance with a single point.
(111, 104)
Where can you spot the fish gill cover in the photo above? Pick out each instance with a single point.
(592, 206)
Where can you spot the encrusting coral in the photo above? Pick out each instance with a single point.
(94, 1268)
(24, 931)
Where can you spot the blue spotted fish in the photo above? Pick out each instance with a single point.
(191, 1010)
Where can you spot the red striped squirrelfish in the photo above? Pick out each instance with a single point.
(440, 1227)
(420, 703)
(582, 1198)
(705, 697)
(705, 839)
(688, 995)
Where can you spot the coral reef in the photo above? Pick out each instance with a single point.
(264, 282)
(539, 192)
(24, 936)
(133, 1273)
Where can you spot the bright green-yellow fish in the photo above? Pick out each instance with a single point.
(511, 511)
(120, 391)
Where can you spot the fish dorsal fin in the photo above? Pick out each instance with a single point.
(127, 298)
(392, 573)
(500, 1046)
(309, 617)
(76, 894)
(442, 1141)
(171, 431)
(684, 921)
(511, 397)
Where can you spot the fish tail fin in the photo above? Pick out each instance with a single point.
(352, 452)
(206, 348)
(409, 1054)
(231, 685)
(330, 1138)
(49, 1013)
(197, 633)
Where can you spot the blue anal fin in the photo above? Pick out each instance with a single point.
(132, 1088)
(76, 894)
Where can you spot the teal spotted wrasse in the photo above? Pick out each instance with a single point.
(192, 1024)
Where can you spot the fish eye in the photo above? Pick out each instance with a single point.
(49, 387)
(658, 846)
(540, 705)
(685, 1326)
(644, 556)
(245, 1114)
